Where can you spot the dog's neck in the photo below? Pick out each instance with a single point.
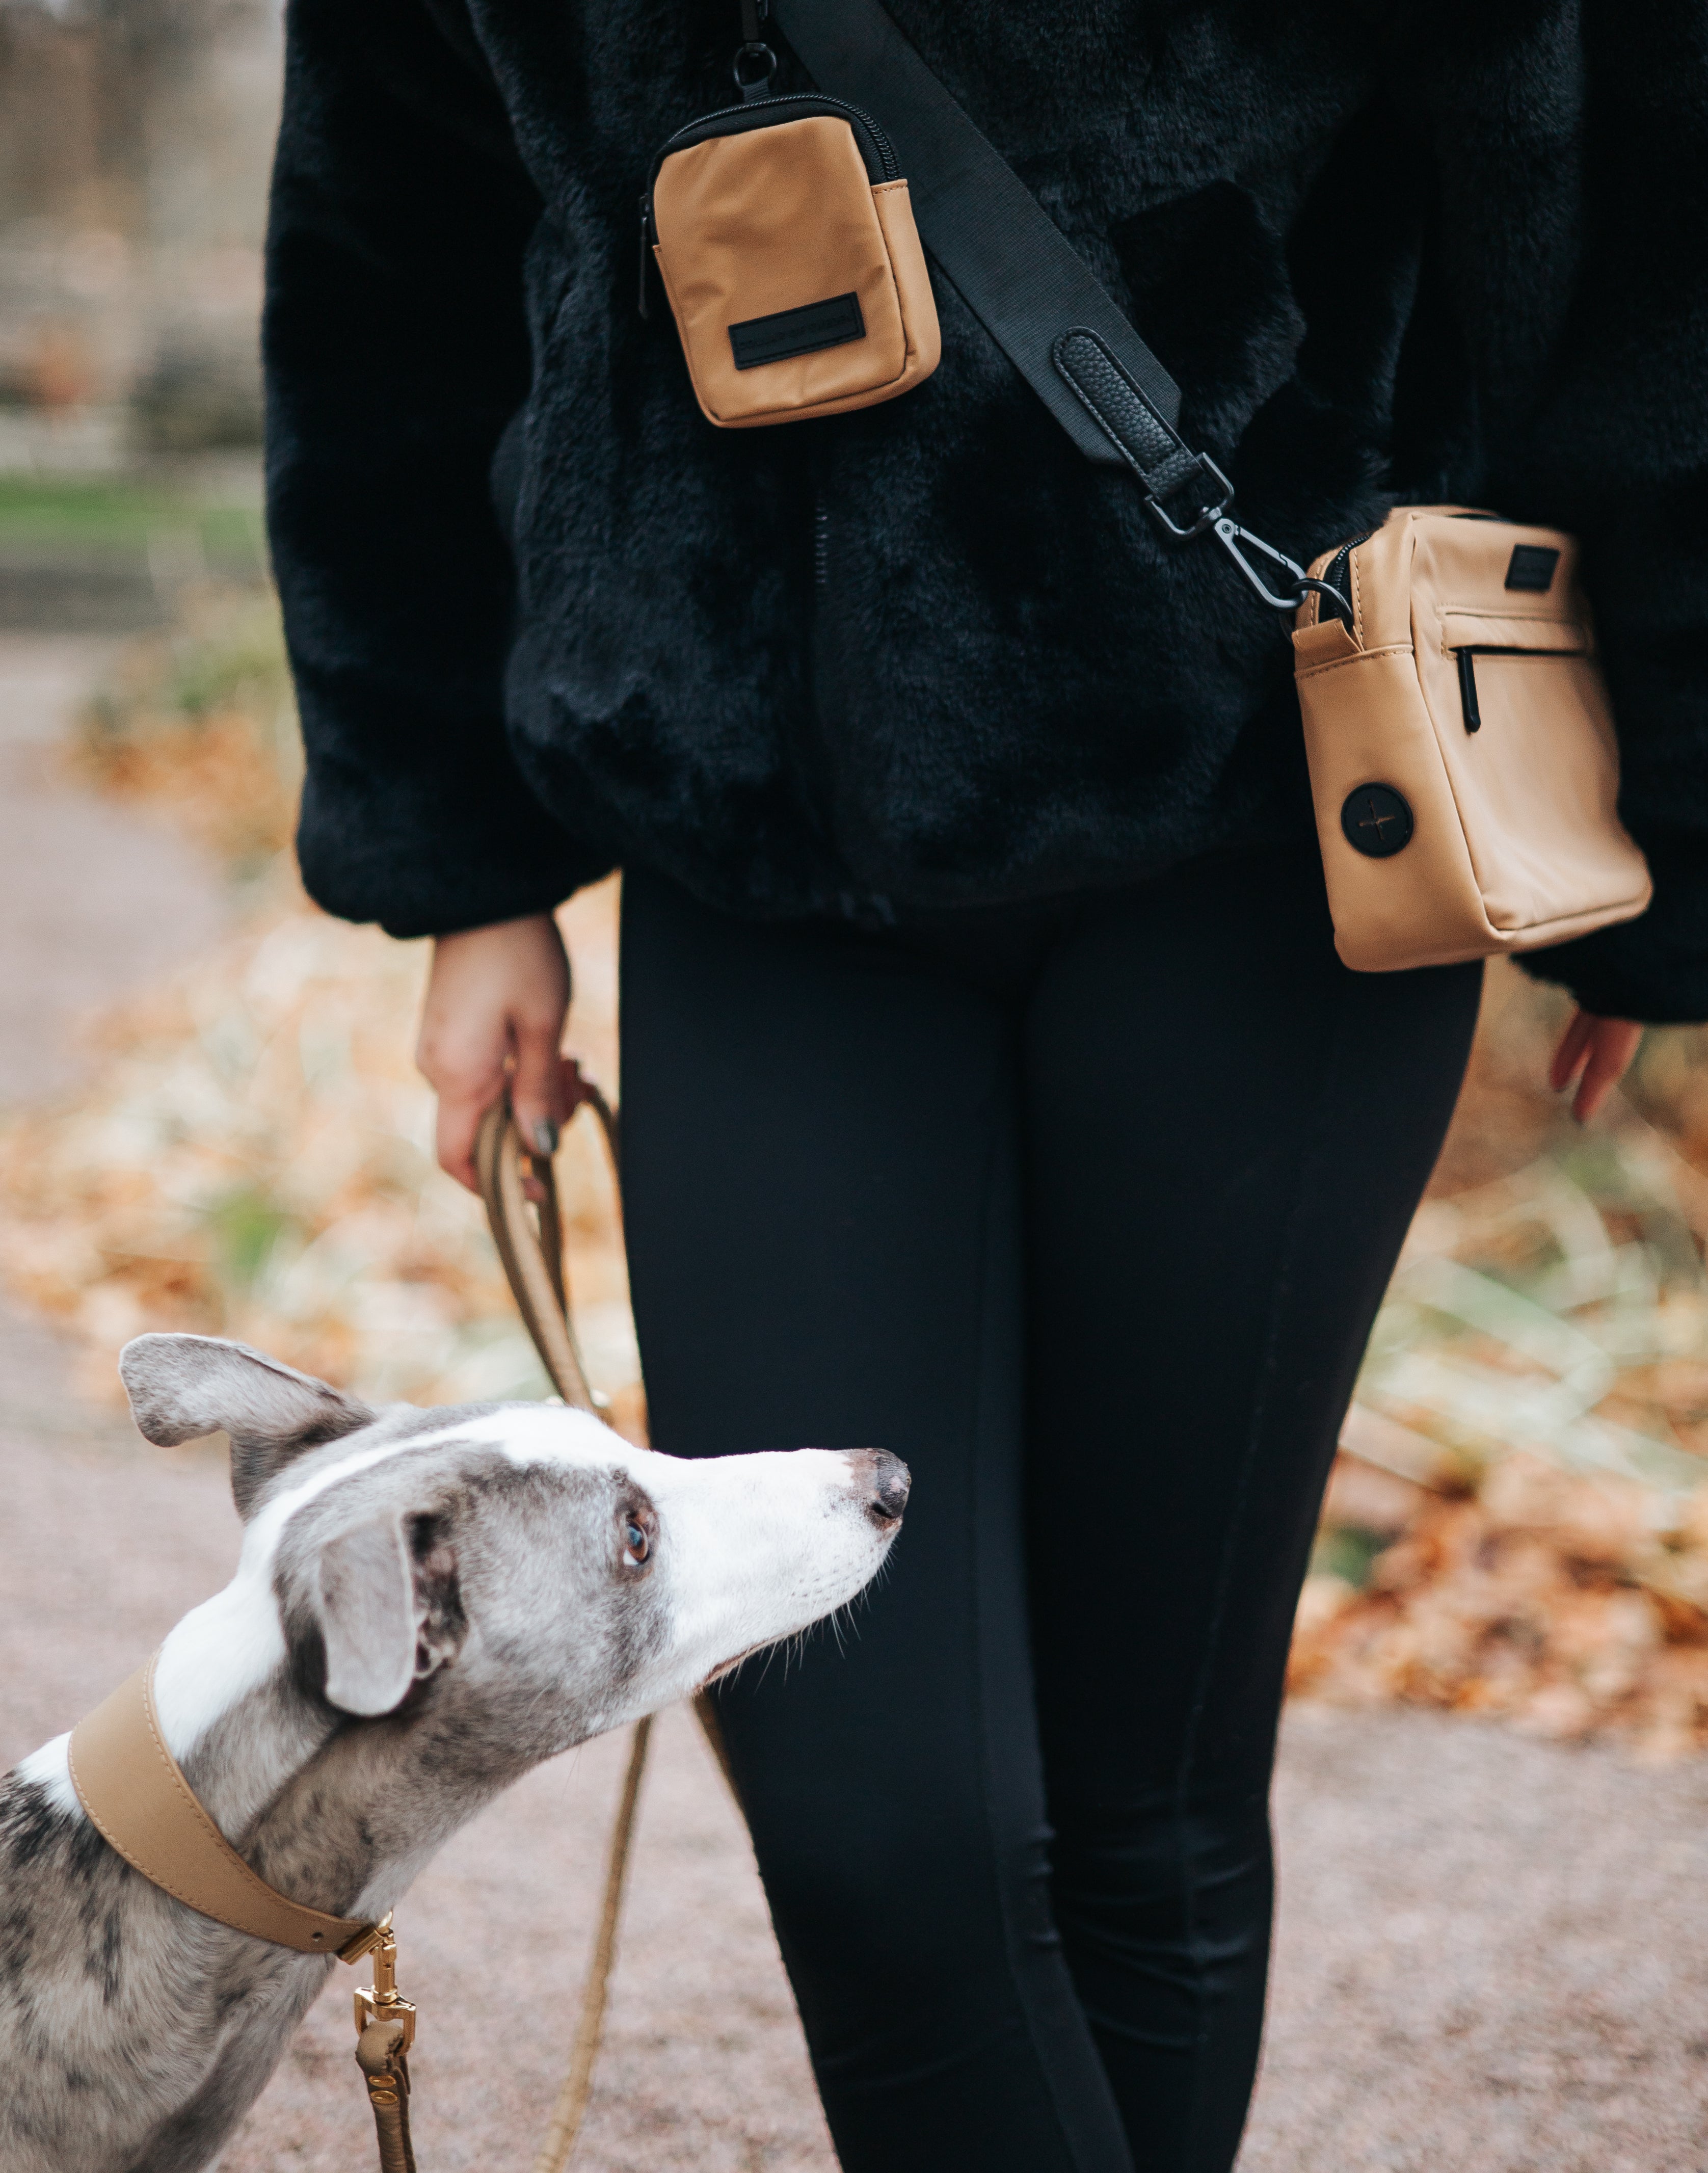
(339, 1815)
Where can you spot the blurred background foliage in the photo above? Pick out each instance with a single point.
(255, 1158)
(1518, 1522)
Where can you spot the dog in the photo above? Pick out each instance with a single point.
(427, 1603)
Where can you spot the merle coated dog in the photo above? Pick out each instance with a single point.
(428, 1602)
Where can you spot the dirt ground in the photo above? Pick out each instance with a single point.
(1492, 1952)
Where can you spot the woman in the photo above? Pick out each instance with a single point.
(992, 1090)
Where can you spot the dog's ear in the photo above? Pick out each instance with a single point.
(184, 1386)
(384, 1596)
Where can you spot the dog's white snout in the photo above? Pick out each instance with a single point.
(883, 1480)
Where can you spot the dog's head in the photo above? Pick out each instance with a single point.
(519, 1568)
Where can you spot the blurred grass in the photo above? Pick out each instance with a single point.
(112, 553)
(40, 512)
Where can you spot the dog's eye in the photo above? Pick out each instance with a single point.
(639, 1546)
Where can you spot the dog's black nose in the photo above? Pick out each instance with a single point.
(888, 1478)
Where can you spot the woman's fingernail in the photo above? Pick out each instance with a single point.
(545, 1136)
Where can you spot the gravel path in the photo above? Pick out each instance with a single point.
(1493, 1953)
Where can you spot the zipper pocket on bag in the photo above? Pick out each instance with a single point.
(1466, 655)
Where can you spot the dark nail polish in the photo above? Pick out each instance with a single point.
(545, 1136)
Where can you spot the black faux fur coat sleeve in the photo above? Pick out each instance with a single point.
(397, 349)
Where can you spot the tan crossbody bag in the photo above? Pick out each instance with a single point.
(1460, 744)
(1457, 723)
(784, 235)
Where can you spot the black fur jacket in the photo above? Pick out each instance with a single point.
(928, 654)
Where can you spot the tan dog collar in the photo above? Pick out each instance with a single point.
(132, 1789)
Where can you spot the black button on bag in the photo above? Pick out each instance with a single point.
(1376, 820)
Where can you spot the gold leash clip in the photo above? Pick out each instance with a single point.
(380, 2001)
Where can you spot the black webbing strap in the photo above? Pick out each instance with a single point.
(1011, 263)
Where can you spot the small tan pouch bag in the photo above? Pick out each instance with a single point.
(1461, 745)
(786, 242)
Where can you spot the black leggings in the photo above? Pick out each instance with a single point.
(1085, 1212)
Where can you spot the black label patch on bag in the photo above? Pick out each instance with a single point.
(1532, 567)
(1376, 822)
(804, 330)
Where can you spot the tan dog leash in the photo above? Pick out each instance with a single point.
(531, 1247)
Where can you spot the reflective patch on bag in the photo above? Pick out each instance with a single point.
(1532, 567)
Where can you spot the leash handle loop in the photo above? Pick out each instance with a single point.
(530, 1244)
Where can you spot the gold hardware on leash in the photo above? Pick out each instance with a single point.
(365, 1942)
(381, 2001)
(384, 2031)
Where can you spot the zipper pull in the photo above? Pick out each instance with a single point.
(645, 254)
(1467, 690)
(755, 67)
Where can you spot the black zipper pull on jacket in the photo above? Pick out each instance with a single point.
(645, 254)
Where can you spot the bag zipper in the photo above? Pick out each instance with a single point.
(875, 149)
(1337, 575)
(882, 152)
(1467, 654)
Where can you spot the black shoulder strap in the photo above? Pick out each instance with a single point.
(1023, 279)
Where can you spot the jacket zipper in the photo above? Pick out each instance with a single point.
(1467, 655)
(821, 721)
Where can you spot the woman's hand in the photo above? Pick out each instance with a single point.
(1604, 1048)
(497, 999)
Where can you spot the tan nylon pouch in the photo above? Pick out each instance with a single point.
(1506, 770)
(778, 239)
